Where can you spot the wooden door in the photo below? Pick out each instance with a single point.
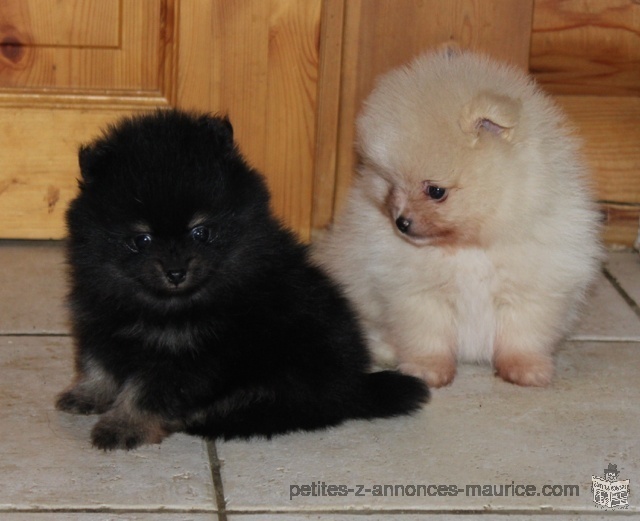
(66, 69)
(69, 67)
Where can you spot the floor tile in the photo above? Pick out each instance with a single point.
(47, 460)
(607, 316)
(625, 267)
(32, 278)
(478, 431)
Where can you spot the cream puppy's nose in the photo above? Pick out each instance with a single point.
(403, 224)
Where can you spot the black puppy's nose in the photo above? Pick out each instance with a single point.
(176, 277)
(403, 224)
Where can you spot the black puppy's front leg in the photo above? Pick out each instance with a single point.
(126, 426)
(93, 393)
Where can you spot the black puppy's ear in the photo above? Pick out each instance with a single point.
(220, 128)
(87, 159)
(226, 126)
(91, 158)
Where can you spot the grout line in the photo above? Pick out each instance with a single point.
(618, 287)
(603, 339)
(216, 476)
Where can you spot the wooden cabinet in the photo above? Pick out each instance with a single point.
(291, 74)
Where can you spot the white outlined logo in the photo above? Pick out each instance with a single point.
(610, 492)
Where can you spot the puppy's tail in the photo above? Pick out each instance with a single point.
(390, 393)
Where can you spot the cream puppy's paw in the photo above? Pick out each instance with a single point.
(528, 369)
(437, 371)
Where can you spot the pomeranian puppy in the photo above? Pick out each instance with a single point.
(469, 233)
(193, 309)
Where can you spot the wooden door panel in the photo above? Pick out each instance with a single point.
(254, 60)
(87, 23)
(100, 47)
(39, 166)
(67, 68)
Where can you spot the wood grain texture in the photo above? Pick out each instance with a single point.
(328, 113)
(610, 130)
(257, 61)
(588, 52)
(129, 67)
(87, 23)
(587, 46)
(38, 176)
(382, 34)
(621, 224)
(41, 127)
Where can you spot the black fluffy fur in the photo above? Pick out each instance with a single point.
(193, 309)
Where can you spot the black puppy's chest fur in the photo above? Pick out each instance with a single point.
(207, 318)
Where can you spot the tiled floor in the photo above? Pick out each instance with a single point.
(478, 431)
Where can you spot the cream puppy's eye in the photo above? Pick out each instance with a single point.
(435, 192)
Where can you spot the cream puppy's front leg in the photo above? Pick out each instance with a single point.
(526, 336)
(422, 331)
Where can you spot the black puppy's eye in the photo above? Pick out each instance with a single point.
(200, 234)
(141, 242)
(435, 192)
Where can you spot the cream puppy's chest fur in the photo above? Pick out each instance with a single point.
(474, 279)
(461, 285)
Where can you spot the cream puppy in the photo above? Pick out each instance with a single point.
(469, 232)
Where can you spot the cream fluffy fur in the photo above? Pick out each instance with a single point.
(469, 232)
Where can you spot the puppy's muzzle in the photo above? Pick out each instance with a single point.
(176, 276)
(403, 224)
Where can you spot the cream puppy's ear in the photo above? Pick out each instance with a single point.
(451, 49)
(492, 113)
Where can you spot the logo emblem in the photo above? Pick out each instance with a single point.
(610, 492)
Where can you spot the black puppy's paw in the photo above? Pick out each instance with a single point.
(118, 430)
(78, 403)
(108, 435)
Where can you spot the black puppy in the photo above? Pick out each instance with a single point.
(193, 309)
